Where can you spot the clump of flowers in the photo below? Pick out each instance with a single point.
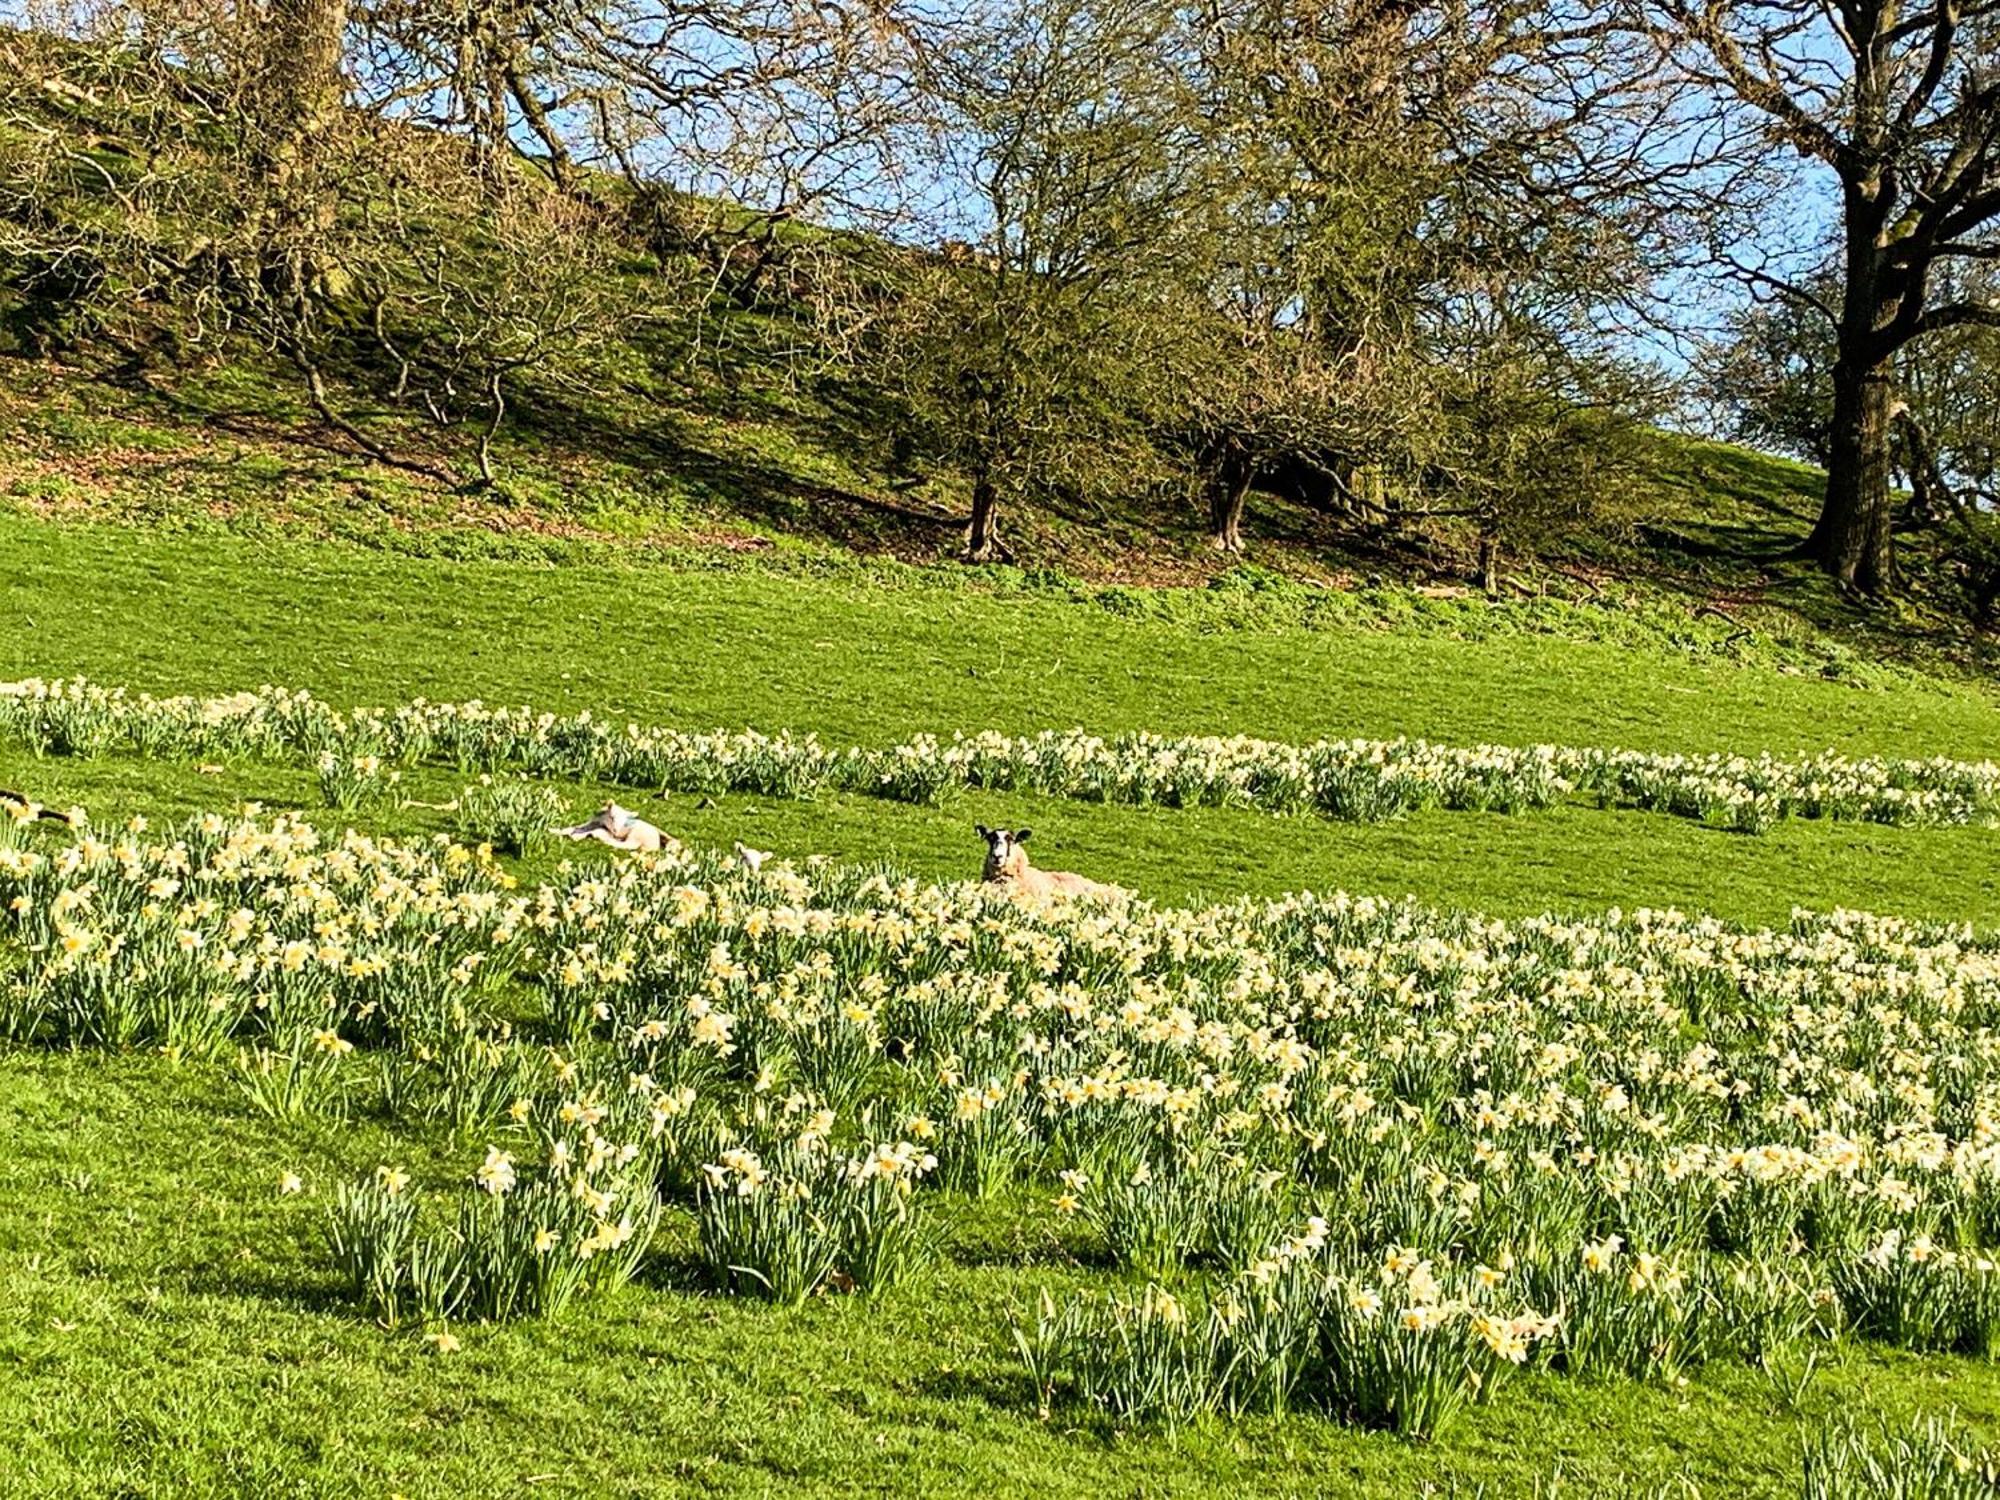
(799, 1216)
(351, 782)
(511, 813)
(289, 1081)
(529, 1237)
(1935, 1458)
(1394, 1345)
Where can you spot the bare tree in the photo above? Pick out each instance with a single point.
(530, 295)
(1394, 167)
(1898, 104)
(1297, 266)
(216, 188)
(1768, 373)
(1771, 379)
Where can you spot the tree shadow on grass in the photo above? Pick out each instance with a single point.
(1005, 1388)
(678, 1270)
(755, 487)
(299, 1292)
(979, 1251)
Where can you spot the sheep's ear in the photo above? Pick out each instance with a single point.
(982, 830)
(1022, 836)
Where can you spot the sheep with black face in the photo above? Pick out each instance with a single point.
(1007, 866)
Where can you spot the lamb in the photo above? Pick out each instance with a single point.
(750, 859)
(1007, 866)
(615, 826)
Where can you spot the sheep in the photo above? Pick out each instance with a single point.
(1007, 866)
(750, 859)
(620, 829)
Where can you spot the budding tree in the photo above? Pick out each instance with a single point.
(1028, 353)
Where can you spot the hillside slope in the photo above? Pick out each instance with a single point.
(705, 414)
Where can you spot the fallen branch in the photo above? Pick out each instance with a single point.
(1743, 632)
(1596, 592)
(890, 508)
(316, 394)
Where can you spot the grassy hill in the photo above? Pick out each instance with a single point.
(703, 421)
(696, 467)
(709, 428)
(173, 1324)
(700, 545)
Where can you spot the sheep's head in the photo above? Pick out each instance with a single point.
(1004, 855)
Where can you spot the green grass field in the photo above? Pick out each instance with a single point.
(168, 1324)
(874, 660)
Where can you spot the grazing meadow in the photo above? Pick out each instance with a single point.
(1470, 1097)
(1045, 748)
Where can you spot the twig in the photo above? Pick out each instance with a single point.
(1583, 578)
(316, 394)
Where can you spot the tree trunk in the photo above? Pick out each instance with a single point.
(301, 85)
(982, 531)
(1851, 540)
(1228, 486)
(1489, 565)
(1932, 498)
(299, 95)
(1985, 593)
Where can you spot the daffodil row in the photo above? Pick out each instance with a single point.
(1626, 1144)
(357, 752)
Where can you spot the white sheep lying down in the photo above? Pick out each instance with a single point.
(619, 828)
